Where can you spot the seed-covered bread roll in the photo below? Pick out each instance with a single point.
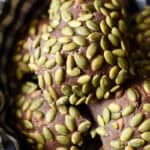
(46, 126)
(124, 122)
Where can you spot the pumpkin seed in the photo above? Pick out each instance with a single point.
(121, 77)
(66, 4)
(79, 40)
(136, 120)
(36, 104)
(77, 90)
(146, 86)
(27, 124)
(114, 107)
(110, 6)
(38, 115)
(70, 123)
(74, 23)
(147, 147)
(37, 53)
(104, 11)
(113, 39)
(97, 63)
(73, 72)
(73, 111)
(114, 15)
(122, 26)
(94, 36)
(85, 17)
(100, 121)
(50, 115)
(109, 21)
(76, 137)
(106, 115)
(81, 101)
(116, 32)
(26, 105)
(101, 131)
(126, 134)
(62, 109)
(116, 144)
(52, 92)
(128, 148)
(119, 52)
(128, 110)
(146, 107)
(61, 129)
(136, 143)
(98, 4)
(86, 88)
(59, 59)
(64, 40)
(50, 63)
(104, 43)
(67, 31)
(84, 79)
(47, 78)
(73, 99)
(113, 72)
(59, 76)
(63, 139)
(51, 42)
(92, 25)
(105, 83)
(62, 101)
(145, 126)
(131, 94)
(82, 31)
(38, 137)
(66, 90)
(40, 81)
(61, 148)
(103, 27)
(109, 57)
(115, 116)
(95, 80)
(80, 60)
(122, 63)
(91, 50)
(56, 48)
(116, 3)
(146, 136)
(66, 15)
(47, 134)
(84, 126)
(41, 60)
(99, 93)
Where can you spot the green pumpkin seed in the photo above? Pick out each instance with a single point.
(67, 31)
(41, 60)
(84, 126)
(122, 26)
(116, 32)
(47, 134)
(126, 134)
(80, 60)
(38, 115)
(50, 115)
(62, 109)
(106, 115)
(92, 25)
(123, 45)
(91, 50)
(107, 95)
(128, 110)
(119, 52)
(50, 63)
(113, 39)
(36, 104)
(56, 48)
(97, 63)
(110, 6)
(115, 116)
(103, 27)
(104, 43)
(101, 131)
(79, 40)
(52, 93)
(76, 137)
(38, 137)
(74, 23)
(73, 99)
(64, 140)
(84, 79)
(64, 40)
(147, 147)
(117, 144)
(100, 121)
(145, 126)
(122, 63)
(109, 57)
(146, 86)
(121, 77)
(136, 143)
(66, 90)
(59, 76)
(77, 90)
(136, 120)
(27, 124)
(146, 107)
(59, 59)
(36, 42)
(98, 4)
(26, 105)
(61, 129)
(19, 114)
(51, 42)
(86, 88)
(37, 53)
(61, 148)
(104, 11)
(95, 80)
(85, 17)
(109, 21)
(70, 123)
(73, 72)
(114, 107)
(73, 111)
(131, 94)
(66, 15)
(82, 31)
(146, 136)
(114, 15)
(47, 78)
(113, 72)
(94, 36)
(80, 101)
(116, 3)
(66, 4)
(99, 93)
(105, 83)
(62, 101)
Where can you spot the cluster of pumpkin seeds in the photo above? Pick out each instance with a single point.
(82, 51)
(143, 28)
(45, 125)
(125, 123)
